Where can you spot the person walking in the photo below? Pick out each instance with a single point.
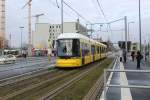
(139, 57)
(49, 54)
(124, 55)
(133, 55)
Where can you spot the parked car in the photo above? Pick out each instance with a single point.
(4, 59)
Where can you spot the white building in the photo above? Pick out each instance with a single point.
(74, 27)
(41, 36)
(54, 32)
(46, 34)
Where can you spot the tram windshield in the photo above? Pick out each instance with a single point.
(68, 48)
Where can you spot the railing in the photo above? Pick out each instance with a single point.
(122, 86)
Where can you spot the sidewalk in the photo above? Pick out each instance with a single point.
(138, 79)
(129, 78)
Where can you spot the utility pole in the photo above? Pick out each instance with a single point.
(10, 40)
(78, 28)
(62, 16)
(129, 30)
(140, 25)
(91, 31)
(21, 29)
(29, 26)
(126, 42)
(86, 29)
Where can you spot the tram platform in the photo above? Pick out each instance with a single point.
(137, 80)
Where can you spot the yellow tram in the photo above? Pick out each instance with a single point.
(76, 50)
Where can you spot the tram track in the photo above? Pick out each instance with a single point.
(28, 69)
(66, 84)
(24, 61)
(28, 65)
(23, 83)
(22, 77)
(44, 86)
(34, 84)
(96, 91)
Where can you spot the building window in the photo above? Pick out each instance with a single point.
(53, 26)
(50, 27)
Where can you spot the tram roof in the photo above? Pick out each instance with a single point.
(77, 36)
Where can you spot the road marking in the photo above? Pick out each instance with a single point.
(125, 92)
(109, 80)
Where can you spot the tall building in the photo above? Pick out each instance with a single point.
(2, 24)
(41, 36)
(74, 27)
(54, 32)
(46, 34)
(68, 27)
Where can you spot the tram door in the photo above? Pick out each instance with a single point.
(93, 52)
(83, 53)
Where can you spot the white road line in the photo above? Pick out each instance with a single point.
(125, 92)
(109, 79)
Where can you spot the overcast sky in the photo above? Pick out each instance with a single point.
(113, 9)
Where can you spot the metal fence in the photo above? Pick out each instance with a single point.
(122, 86)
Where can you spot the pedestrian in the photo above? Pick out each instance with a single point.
(139, 57)
(133, 55)
(145, 56)
(49, 54)
(124, 56)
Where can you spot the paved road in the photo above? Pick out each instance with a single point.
(24, 65)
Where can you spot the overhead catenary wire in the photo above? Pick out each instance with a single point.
(76, 12)
(102, 11)
(79, 15)
(57, 6)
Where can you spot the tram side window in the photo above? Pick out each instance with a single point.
(93, 49)
(76, 47)
(97, 50)
(85, 49)
(102, 50)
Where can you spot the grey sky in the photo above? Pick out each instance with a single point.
(113, 9)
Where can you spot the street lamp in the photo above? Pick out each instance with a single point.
(21, 29)
(129, 30)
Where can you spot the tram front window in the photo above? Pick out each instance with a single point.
(68, 48)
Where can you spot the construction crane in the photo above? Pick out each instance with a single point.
(37, 17)
(2, 24)
(29, 25)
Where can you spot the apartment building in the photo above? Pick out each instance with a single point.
(46, 34)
